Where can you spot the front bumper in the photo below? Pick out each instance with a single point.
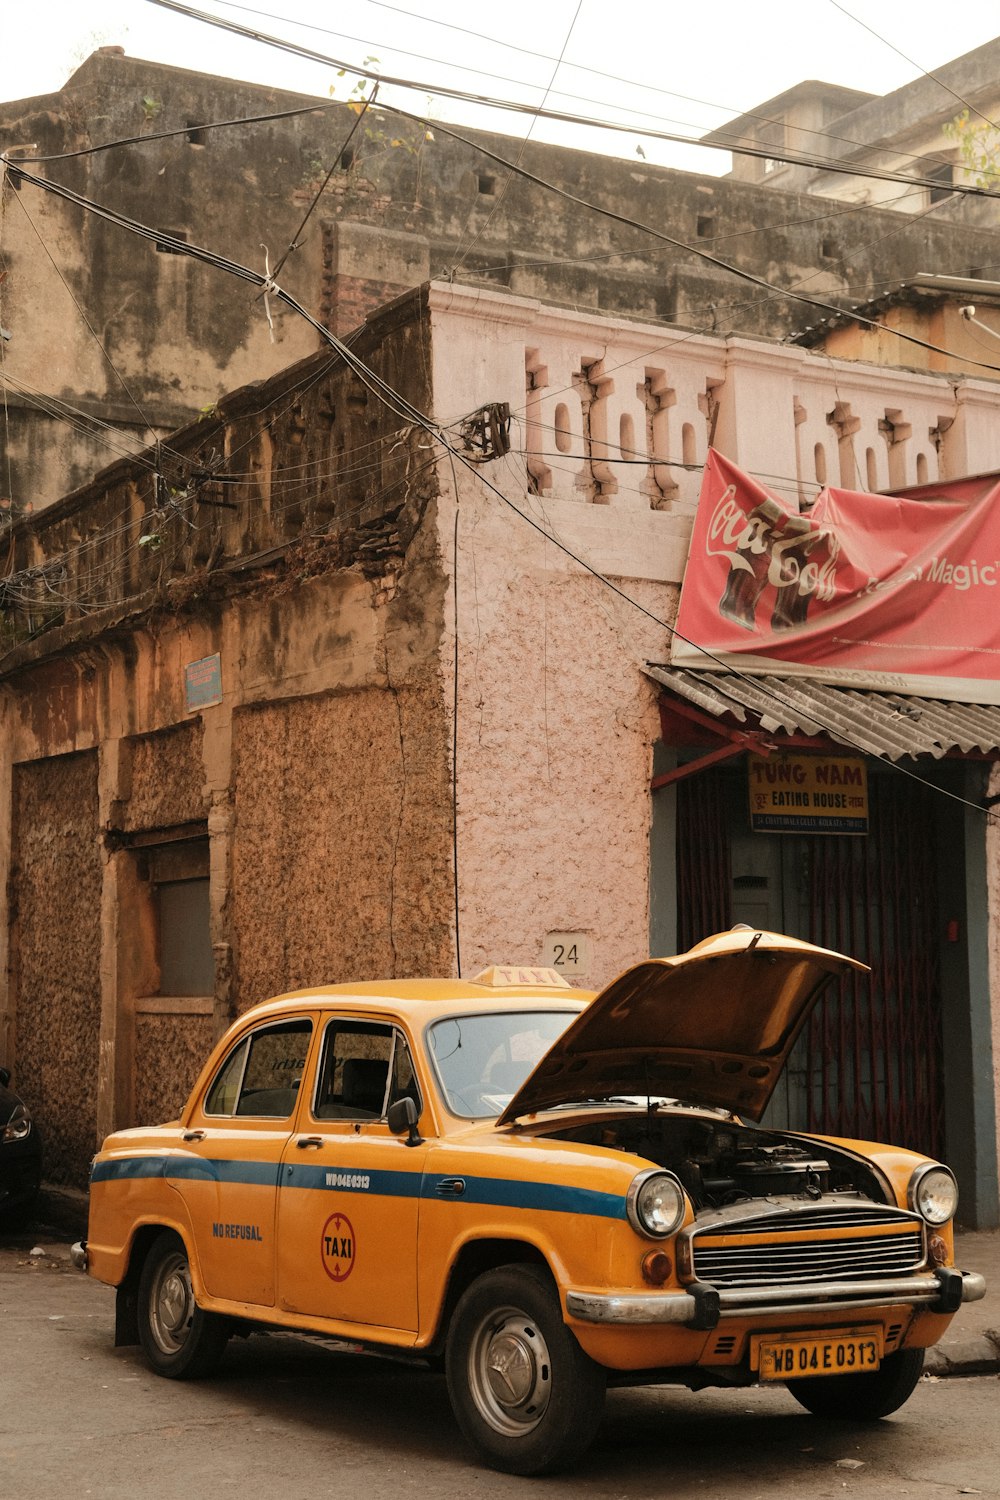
(704, 1306)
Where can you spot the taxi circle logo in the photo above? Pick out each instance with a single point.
(337, 1247)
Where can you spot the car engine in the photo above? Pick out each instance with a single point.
(722, 1162)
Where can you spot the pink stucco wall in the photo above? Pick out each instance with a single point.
(555, 718)
(555, 727)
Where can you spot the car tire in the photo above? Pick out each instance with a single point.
(178, 1338)
(523, 1392)
(862, 1398)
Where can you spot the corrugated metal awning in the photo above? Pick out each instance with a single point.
(885, 724)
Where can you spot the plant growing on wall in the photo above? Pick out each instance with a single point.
(376, 137)
(978, 145)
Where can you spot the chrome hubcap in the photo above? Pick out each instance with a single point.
(172, 1305)
(510, 1372)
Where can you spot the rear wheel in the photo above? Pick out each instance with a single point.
(178, 1338)
(862, 1398)
(523, 1391)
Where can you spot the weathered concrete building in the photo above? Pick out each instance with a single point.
(950, 324)
(321, 701)
(860, 135)
(114, 341)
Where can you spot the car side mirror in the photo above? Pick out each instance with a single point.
(402, 1119)
(4, 1078)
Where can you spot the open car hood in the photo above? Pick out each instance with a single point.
(712, 1026)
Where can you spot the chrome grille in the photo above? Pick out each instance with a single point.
(766, 1254)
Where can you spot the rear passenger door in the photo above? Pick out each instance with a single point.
(350, 1191)
(227, 1167)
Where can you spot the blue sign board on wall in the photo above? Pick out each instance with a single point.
(203, 683)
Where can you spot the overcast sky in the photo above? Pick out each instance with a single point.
(682, 65)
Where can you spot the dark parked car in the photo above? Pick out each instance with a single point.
(20, 1155)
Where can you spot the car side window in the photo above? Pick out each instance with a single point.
(261, 1076)
(364, 1067)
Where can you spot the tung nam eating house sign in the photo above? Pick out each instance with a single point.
(808, 794)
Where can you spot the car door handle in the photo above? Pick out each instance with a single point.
(304, 1141)
(193, 1135)
(450, 1187)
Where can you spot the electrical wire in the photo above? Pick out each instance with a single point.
(454, 726)
(825, 135)
(614, 77)
(772, 227)
(147, 424)
(321, 106)
(3, 343)
(757, 302)
(80, 421)
(400, 406)
(463, 256)
(932, 76)
(338, 158)
(561, 116)
(18, 588)
(704, 255)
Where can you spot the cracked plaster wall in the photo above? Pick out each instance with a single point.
(165, 778)
(323, 776)
(341, 853)
(56, 955)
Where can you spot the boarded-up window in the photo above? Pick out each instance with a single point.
(186, 963)
(178, 873)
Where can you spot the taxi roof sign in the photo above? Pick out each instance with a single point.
(510, 976)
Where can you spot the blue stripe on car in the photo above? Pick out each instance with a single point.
(496, 1191)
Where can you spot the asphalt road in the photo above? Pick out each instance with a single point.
(285, 1419)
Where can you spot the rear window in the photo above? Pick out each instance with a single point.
(261, 1075)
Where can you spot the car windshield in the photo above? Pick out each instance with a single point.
(481, 1060)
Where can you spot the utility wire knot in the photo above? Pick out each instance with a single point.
(270, 285)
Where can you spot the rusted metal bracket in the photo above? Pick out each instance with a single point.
(741, 745)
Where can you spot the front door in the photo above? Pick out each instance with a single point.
(350, 1191)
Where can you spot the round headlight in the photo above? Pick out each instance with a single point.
(933, 1193)
(655, 1204)
(18, 1126)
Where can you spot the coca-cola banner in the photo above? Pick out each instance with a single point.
(896, 592)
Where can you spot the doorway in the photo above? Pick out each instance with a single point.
(869, 1064)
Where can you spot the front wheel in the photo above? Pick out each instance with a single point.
(178, 1338)
(862, 1398)
(522, 1390)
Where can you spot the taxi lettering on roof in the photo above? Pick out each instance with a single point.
(500, 976)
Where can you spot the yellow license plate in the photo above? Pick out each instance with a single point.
(842, 1354)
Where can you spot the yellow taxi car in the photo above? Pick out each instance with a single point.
(551, 1190)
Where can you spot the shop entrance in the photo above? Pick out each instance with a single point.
(870, 1063)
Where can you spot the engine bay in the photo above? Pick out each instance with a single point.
(721, 1162)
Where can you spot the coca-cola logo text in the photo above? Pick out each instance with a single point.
(789, 541)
